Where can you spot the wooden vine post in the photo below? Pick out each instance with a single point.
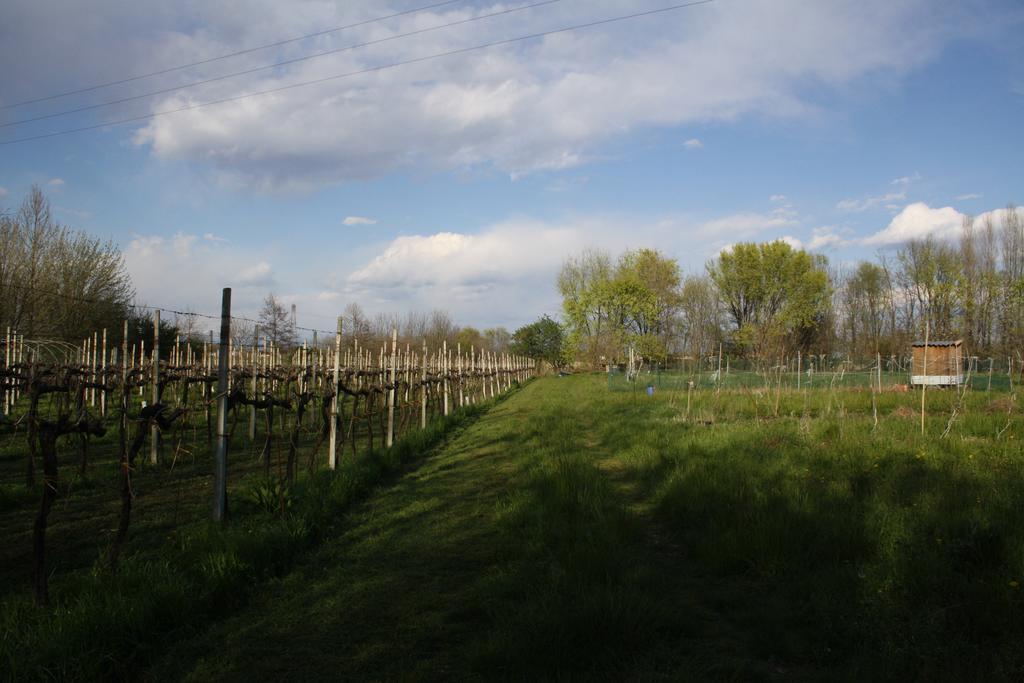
(7, 364)
(444, 373)
(220, 463)
(423, 388)
(924, 372)
(332, 453)
(458, 363)
(103, 375)
(154, 430)
(124, 378)
(255, 374)
(391, 389)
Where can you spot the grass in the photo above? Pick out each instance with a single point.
(575, 533)
(105, 625)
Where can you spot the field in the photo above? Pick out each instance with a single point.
(568, 531)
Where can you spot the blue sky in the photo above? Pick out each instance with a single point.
(462, 183)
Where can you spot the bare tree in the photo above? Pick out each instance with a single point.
(55, 281)
(276, 323)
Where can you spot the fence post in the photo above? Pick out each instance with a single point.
(332, 454)
(924, 372)
(154, 431)
(423, 388)
(255, 373)
(392, 390)
(103, 375)
(718, 389)
(458, 365)
(444, 373)
(7, 365)
(220, 462)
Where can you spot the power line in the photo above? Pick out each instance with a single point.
(275, 65)
(372, 69)
(279, 43)
(162, 309)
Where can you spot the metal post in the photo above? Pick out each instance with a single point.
(220, 463)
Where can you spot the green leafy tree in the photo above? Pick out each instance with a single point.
(777, 296)
(543, 340)
(608, 309)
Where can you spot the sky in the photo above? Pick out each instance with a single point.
(420, 170)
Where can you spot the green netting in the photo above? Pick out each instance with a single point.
(842, 374)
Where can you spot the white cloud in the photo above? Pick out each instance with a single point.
(966, 197)
(210, 237)
(185, 271)
(497, 255)
(182, 244)
(358, 220)
(3, 192)
(998, 216)
(917, 221)
(825, 237)
(777, 198)
(861, 205)
(693, 143)
(906, 180)
(56, 183)
(747, 224)
(256, 275)
(502, 274)
(540, 105)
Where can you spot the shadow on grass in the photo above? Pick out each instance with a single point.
(107, 626)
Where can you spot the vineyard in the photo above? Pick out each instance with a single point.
(90, 432)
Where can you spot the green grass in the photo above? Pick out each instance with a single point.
(111, 625)
(572, 533)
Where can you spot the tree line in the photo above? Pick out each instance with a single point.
(768, 300)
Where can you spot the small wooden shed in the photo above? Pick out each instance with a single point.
(940, 363)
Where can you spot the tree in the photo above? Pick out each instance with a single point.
(645, 295)
(606, 310)
(865, 298)
(497, 339)
(699, 316)
(470, 337)
(583, 283)
(777, 296)
(930, 274)
(440, 328)
(276, 324)
(541, 341)
(57, 282)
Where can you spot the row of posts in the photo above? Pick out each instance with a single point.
(14, 354)
(497, 373)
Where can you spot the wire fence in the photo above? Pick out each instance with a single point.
(810, 372)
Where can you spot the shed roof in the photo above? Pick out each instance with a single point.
(938, 344)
